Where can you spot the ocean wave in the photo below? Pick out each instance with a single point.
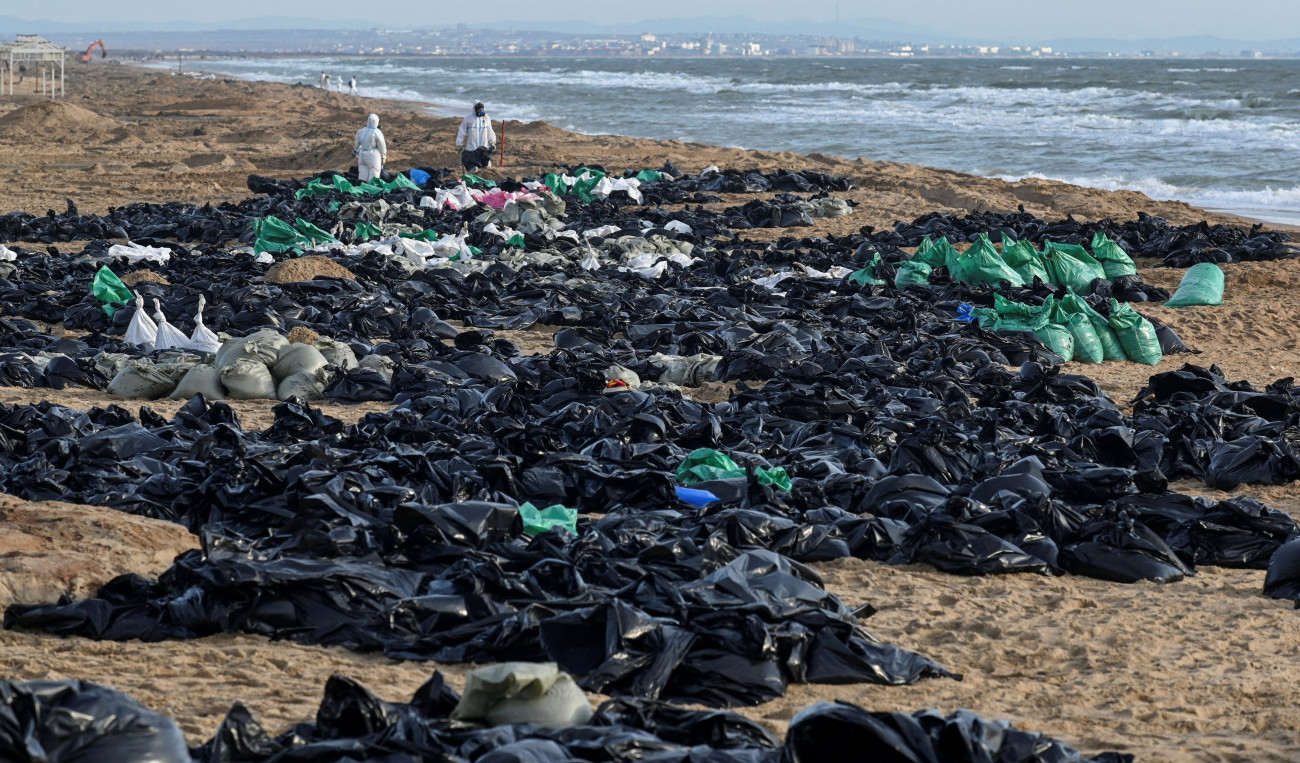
(1268, 199)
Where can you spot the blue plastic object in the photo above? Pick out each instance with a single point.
(419, 177)
(964, 313)
(696, 497)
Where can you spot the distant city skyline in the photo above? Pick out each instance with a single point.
(933, 19)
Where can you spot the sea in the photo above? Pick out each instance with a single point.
(1222, 134)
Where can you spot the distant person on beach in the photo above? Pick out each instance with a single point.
(370, 149)
(352, 86)
(476, 140)
(22, 73)
(324, 81)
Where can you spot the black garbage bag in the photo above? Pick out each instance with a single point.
(1283, 578)
(843, 733)
(1124, 551)
(80, 722)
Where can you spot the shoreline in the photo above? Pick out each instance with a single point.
(1286, 218)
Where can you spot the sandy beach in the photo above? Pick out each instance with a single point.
(1200, 670)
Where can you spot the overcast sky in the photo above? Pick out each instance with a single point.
(1042, 19)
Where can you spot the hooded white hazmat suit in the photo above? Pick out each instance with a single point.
(476, 132)
(370, 148)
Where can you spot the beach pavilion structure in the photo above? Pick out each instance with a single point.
(34, 50)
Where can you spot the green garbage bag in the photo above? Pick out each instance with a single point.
(1087, 345)
(1136, 334)
(275, 235)
(1072, 304)
(912, 273)
(108, 288)
(776, 477)
(475, 180)
(1058, 339)
(707, 464)
(312, 233)
(933, 253)
(538, 521)
(867, 275)
(555, 183)
(982, 263)
(1114, 260)
(1201, 285)
(649, 176)
(1024, 259)
(1071, 267)
(1009, 308)
(424, 235)
(367, 231)
(585, 185)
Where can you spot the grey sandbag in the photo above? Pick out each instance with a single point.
(298, 358)
(380, 364)
(202, 379)
(304, 384)
(264, 346)
(1201, 285)
(141, 380)
(523, 692)
(686, 371)
(337, 353)
(247, 379)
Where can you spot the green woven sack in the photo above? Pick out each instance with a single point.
(1071, 267)
(1136, 334)
(1058, 339)
(538, 521)
(1024, 259)
(1202, 285)
(1087, 345)
(1114, 260)
(1111, 349)
(982, 264)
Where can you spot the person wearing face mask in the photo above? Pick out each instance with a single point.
(476, 140)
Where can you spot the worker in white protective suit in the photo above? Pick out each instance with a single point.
(370, 149)
(352, 86)
(324, 81)
(476, 140)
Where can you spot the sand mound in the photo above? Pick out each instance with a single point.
(144, 276)
(302, 335)
(305, 269)
(48, 549)
(54, 118)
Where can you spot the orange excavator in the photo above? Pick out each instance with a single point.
(103, 51)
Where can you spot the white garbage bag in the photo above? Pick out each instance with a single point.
(134, 253)
(169, 337)
(202, 338)
(142, 332)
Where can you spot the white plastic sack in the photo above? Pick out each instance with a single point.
(134, 253)
(202, 338)
(602, 231)
(679, 226)
(590, 261)
(523, 692)
(142, 332)
(169, 337)
(6, 255)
